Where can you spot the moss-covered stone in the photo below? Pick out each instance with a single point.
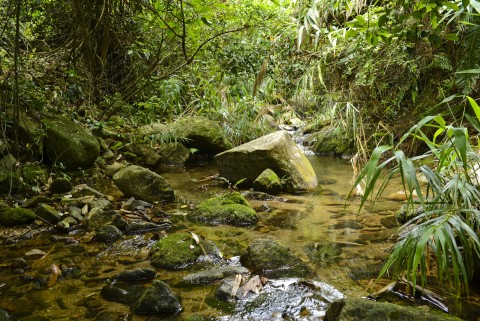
(108, 234)
(230, 209)
(177, 251)
(331, 141)
(9, 174)
(406, 213)
(203, 134)
(48, 213)
(143, 184)
(268, 258)
(61, 185)
(268, 182)
(70, 144)
(34, 201)
(145, 154)
(16, 216)
(173, 154)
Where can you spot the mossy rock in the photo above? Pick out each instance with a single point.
(70, 144)
(61, 185)
(268, 258)
(406, 213)
(203, 134)
(16, 216)
(9, 174)
(158, 298)
(48, 213)
(230, 209)
(143, 184)
(177, 251)
(331, 141)
(108, 234)
(173, 154)
(268, 182)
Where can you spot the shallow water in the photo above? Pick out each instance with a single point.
(346, 249)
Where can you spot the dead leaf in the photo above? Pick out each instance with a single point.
(55, 273)
(236, 285)
(195, 238)
(254, 285)
(85, 209)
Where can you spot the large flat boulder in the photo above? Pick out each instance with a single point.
(276, 151)
(70, 144)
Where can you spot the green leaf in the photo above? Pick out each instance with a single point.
(451, 36)
(469, 71)
(206, 21)
(382, 20)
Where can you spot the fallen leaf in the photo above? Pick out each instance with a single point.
(254, 285)
(195, 238)
(236, 285)
(85, 209)
(55, 273)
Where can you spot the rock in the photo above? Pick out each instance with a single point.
(108, 234)
(34, 254)
(33, 202)
(146, 155)
(269, 120)
(406, 213)
(9, 174)
(330, 140)
(83, 190)
(141, 227)
(76, 213)
(98, 217)
(158, 299)
(348, 224)
(268, 258)
(61, 185)
(70, 144)
(19, 266)
(48, 213)
(231, 209)
(213, 275)
(4, 316)
(16, 216)
(110, 170)
(67, 222)
(143, 184)
(152, 129)
(30, 136)
(122, 292)
(132, 204)
(268, 182)
(173, 154)
(113, 316)
(203, 134)
(224, 291)
(361, 309)
(276, 151)
(177, 251)
(136, 275)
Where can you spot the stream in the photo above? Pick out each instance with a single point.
(345, 248)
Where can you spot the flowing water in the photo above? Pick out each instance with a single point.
(346, 249)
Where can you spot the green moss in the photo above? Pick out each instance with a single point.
(16, 216)
(175, 251)
(231, 209)
(268, 181)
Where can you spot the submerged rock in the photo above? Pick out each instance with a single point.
(70, 144)
(16, 216)
(123, 292)
(213, 275)
(360, 309)
(276, 151)
(142, 183)
(268, 258)
(108, 234)
(179, 250)
(136, 275)
(230, 208)
(158, 298)
(268, 182)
